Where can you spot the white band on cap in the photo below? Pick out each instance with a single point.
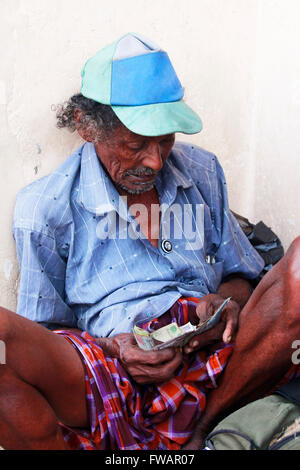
(133, 45)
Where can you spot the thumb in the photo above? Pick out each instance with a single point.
(204, 309)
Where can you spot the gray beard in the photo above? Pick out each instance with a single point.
(136, 191)
(139, 172)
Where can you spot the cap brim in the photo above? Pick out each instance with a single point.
(159, 119)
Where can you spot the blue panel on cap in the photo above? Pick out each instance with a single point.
(144, 79)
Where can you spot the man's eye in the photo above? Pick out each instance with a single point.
(136, 146)
(168, 140)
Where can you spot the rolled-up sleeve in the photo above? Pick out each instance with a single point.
(41, 295)
(235, 250)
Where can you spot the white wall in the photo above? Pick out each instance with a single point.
(237, 59)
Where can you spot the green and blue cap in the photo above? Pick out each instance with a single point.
(136, 78)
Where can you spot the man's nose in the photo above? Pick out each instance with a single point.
(152, 157)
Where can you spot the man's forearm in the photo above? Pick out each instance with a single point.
(238, 289)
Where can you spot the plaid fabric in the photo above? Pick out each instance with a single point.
(128, 416)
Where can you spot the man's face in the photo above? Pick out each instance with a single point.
(133, 161)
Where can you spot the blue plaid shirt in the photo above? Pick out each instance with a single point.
(74, 273)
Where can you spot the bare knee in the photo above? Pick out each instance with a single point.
(6, 329)
(291, 282)
(293, 260)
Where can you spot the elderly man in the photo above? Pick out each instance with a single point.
(135, 229)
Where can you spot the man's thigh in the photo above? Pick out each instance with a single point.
(48, 362)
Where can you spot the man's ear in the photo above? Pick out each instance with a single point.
(83, 130)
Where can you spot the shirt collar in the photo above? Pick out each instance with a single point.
(96, 192)
(98, 195)
(169, 179)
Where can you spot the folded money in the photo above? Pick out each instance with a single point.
(173, 335)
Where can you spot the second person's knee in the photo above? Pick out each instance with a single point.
(293, 259)
(6, 328)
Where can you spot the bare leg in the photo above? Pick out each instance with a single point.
(42, 382)
(269, 323)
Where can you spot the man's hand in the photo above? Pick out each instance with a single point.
(145, 367)
(225, 329)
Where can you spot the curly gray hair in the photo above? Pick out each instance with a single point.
(97, 117)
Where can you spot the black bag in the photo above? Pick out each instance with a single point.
(264, 240)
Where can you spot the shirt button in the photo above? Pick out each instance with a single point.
(166, 246)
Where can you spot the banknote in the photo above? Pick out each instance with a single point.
(148, 341)
(173, 335)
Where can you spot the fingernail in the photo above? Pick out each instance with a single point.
(228, 339)
(195, 344)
